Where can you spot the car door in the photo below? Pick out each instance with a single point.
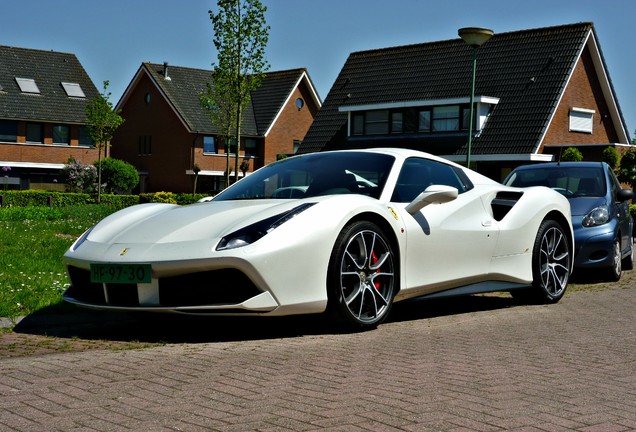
(447, 244)
(621, 209)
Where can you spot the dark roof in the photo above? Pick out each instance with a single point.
(185, 85)
(527, 70)
(49, 69)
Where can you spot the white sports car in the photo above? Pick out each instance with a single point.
(348, 232)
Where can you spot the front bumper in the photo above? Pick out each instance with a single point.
(594, 246)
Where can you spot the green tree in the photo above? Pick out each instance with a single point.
(240, 38)
(117, 175)
(611, 157)
(627, 169)
(572, 154)
(102, 122)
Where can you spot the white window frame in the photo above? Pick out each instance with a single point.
(582, 120)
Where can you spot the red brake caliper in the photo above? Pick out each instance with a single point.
(374, 259)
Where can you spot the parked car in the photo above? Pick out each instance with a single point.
(361, 230)
(602, 223)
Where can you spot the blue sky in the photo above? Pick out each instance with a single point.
(112, 38)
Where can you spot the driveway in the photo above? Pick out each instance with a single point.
(482, 363)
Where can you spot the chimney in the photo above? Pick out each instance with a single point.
(165, 72)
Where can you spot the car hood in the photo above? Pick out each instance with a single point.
(167, 223)
(580, 206)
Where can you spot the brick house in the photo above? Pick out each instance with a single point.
(537, 91)
(43, 95)
(167, 132)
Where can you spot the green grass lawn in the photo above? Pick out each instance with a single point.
(32, 242)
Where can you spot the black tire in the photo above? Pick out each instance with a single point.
(628, 261)
(615, 270)
(362, 277)
(551, 265)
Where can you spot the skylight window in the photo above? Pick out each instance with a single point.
(27, 85)
(73, 90)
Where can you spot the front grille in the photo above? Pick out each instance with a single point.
(214, 287)
(82, 289)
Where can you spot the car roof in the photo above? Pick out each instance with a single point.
(548, 165)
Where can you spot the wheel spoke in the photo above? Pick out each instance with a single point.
(367, 276)
(554, 262)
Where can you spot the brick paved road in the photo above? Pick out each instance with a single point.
(475, 364)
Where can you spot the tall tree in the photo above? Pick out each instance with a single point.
(240, 38)
(102, 122)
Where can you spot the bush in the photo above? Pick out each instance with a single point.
(79, 177)
(158, 197)
(170, 198)
(35, 198)
(32, 198)
(572, 154)
(118, 175)
(627, 170)
(611, 157)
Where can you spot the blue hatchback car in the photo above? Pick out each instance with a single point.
(602, 224)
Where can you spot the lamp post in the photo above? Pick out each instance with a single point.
(475, 37)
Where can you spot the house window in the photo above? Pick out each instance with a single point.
(581, 120)
(27, 85)
(465, 118)
(397, 123)
(357, 124)
(145, 145)
(209, 144)
(250, 147)
(8, 131)
(446, 118)
(85, 137)
(73, 90)
(61, 134)
(376, 122)
(34, 133)
(296, 145)
(424, 121)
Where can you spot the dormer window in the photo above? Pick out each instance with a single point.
(27, 85)
(73, 90)
(418, 117)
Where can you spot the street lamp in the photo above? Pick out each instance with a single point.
(475, 37)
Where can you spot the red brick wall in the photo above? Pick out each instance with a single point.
(292, 124)
(583, 91)
(173, 150)
(46, 152)
(171, 143)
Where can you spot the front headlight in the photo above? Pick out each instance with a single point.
(598, 216)
(258, 230)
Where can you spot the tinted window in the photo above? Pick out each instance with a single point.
(570, 181)
(314, 175)
(418, 174)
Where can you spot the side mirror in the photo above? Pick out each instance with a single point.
(624, 194)
(434, 194)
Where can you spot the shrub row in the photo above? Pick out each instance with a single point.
(33, 198)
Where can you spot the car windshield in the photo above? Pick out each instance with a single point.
(569, 181)
(313, 175)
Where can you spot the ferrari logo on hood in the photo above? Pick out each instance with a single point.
(122, 253)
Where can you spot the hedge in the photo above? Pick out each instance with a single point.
(33, 198)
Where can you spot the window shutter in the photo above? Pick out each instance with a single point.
(581, 120)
